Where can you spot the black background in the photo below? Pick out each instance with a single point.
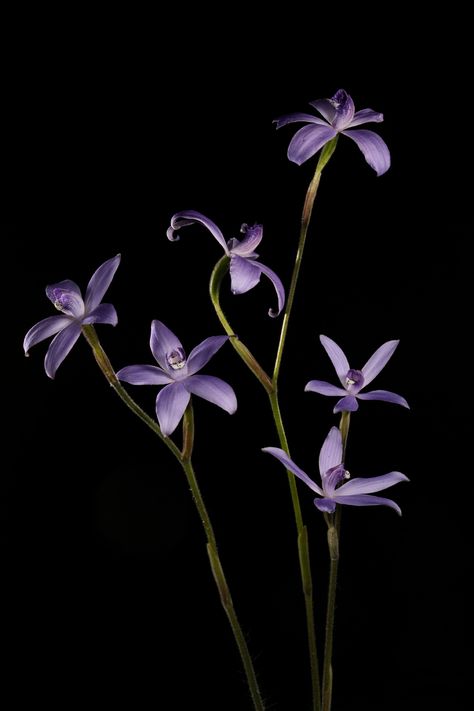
(111, 125)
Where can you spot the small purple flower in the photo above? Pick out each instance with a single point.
(67, 298)
(178, 373)
(356, 492)
(245, 271)
(339, 116)
(354, 380)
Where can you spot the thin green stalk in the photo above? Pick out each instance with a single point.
(334, 530)
(326, 154)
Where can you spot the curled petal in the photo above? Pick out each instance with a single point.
(367, 500)
(190, 217)
(307, 141)
(345, 109)
(66, 297)
(104, 313)
(366, 116)
(325, 505)
(162, 343)
(100, 282)
(374, 149)
(364, 485)
(246, 247)
(378, 361)
(60, 347)
(171, 403)
(292, 467)
(337, 356)
(244, 274)
(385, 395)
(346, 404)
(65, 285)
(212, 389)
(45, 328)
(200, 355)
(323, 388)
(295, 118)
(331, 451)
(143, 375)
(279, 288)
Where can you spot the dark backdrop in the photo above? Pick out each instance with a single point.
(112, 125)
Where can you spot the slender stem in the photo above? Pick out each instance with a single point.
(326, 154)
(334, 530)
(184, 458)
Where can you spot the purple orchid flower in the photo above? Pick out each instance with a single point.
(354, 380)
(67, 298)
(339, 117)
(356, 492)
(245, 271)
(178, 373)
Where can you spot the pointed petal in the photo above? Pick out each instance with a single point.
(292, 467)
(325, 505)
(294, 118)
(143, 375)
(331, 451)
(366, 116)
(162, 343)
(104, 313)
(385, 395)
(307, 141)
(66, 297)
(100, 282)
(45, 328)
(346, 404)
(171, 403)
(60, 347)
(378, 361)
(323, 388)
(244, 275)
(247, 246)
(364, 485)
(325, 108)
(200, 355)
(367, 500)
(190, 217)
(374, 149)
(212, 389)
(337, 356)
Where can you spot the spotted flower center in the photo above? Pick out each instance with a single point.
(354, 380)
(335, 477)
(176, 359)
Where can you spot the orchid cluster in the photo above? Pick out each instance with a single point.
(179, 378)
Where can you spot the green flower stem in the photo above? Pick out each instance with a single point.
(326, 154)
(334, 530)
(184, 458)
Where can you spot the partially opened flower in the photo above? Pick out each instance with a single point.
(356, 492)
(76, 312)
(178, 374)
(352, 380)
(245, 271)
(339, 116)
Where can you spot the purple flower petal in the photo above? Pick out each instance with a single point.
(292, 467)
(366, 116)
(212, 389)
(331, 451)
(279, 288)
(246, 247)
(323, 388)
(171, 403)
(325, 107)
(378, 361)
(375, 150)
(294, 118)
(325, 505)
(104, 313)
(143, 375)
(162, 343)
(362, 485)
(45, 328)
(244, 274)
(100, 282)
(307, 141)
(385, 395)
(189, 217)
(60, 347)
(66, 297)
(200, 355)
(346, 404)
(345, 109)
(337, 356)
(367, 500)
